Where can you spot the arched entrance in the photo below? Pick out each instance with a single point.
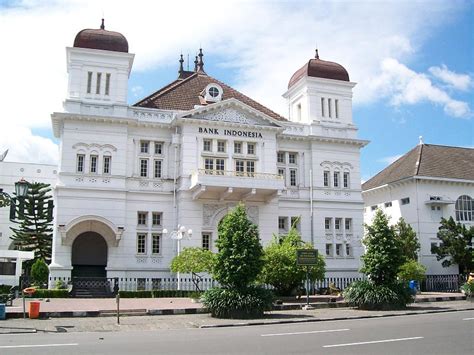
(89, 255)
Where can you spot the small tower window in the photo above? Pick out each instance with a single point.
(329, 107)
(336, 108)
(97, 88)
(107, 84)
(89, 82)
(322, 106)
(298, 112)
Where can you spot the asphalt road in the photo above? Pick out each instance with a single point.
(441, 333)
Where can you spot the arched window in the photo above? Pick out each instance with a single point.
(464, 208)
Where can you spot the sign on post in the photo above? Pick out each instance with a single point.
(307, 257)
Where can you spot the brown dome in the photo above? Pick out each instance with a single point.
(318, 68)
(101, 39)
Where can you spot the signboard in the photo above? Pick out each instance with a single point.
(306, 257)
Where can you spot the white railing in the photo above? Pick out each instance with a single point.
(244, 174)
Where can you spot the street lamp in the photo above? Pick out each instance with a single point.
(21, 190)
(177, 235)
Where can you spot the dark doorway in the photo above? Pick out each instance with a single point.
(89, 255)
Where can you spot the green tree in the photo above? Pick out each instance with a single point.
(456, 245)
(34, 218)
(406, 236)
(193, 261)
(383, 256)
(412, 270)
(40, 272)
(239, 260)
(280, 269)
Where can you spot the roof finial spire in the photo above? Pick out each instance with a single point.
(421, 140)
(317, 54)
(181, 61)
(102, 26)
(196, 63)
(201, 62)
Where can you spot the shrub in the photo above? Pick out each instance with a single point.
(367, 295)
(40, 272)
(45, 293)
(61, 285)
(159, 294)
(5, 288)
(280, 269)
(412, 270)
(240, 304)
(468, 289)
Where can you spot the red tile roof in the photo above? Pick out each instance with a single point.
(183, 94)
(427, 160)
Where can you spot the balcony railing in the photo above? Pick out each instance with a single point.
(240, 174)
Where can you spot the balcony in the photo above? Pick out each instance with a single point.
(224, 185)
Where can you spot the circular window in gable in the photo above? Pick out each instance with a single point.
(213, 91)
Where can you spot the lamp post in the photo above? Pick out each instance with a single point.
(21, 190)
(178, 235)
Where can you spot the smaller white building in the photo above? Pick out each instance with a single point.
(425, 184)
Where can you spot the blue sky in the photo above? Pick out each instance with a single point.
(413, 61)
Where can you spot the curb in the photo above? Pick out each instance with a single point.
(314, 320)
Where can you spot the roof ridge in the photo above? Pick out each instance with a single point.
(418, 161)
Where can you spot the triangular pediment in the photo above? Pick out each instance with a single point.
(231, 111)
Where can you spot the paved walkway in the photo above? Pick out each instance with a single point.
(100, 324)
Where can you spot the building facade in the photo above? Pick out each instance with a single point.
(427, 183)
(187, 154)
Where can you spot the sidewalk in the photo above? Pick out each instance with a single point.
(101, 324)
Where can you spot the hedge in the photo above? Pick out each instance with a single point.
(45, 293)
(159, 294)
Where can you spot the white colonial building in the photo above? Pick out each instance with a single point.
(187, 154)
(425, 184)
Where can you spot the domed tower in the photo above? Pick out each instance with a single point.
(99, 66)
(320, 92)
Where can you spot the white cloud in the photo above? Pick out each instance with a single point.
(405, 86)
(389, 160)
(457, 81)
(263, 42)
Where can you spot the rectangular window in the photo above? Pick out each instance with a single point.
(282, 173)
(387, 204)
(348, 224)
(207, 145)
(322, 106)
(99, 79)
(206, 241)
(250, 167)
(107, 84)
(298, 112)
(93, 164)
(156, 219)
(328, 249)
(336, 179)
(348, 250)
(295, 222)
(141, 243)
(157, 169)
(142, 218)
(433, 245)
(336, 107)
(209, 165)
(292, 158)
(221, 146)
(326, 178)
(238, 147)
(373, 208)
(293, 177)
(155, 243)
(405, 201)
(239, 166)
(251, 148)
(339, 250)
(89, 82)
(80, 163)
(337, 223)
(144, 147)
(282, 223)
(158, 148)
(327, 223)
(144, 167)
(346, 179)
(220, 166)
(107, 164)
(281, 157)
(329, 108)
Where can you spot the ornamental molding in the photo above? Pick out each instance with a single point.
(232, 115)
(337, 164)
(101, 147)
(212, 214)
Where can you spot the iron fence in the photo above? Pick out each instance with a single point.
(442, 283)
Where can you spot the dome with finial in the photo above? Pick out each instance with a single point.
(318, 68)
(101, 39)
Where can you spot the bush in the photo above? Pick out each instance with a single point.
(45, 293)
(240, 304)
(61, 285)
(5, 288)
(367, 295)
(468, 289)
(40, 272)
(159, 294)
(412, 270)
